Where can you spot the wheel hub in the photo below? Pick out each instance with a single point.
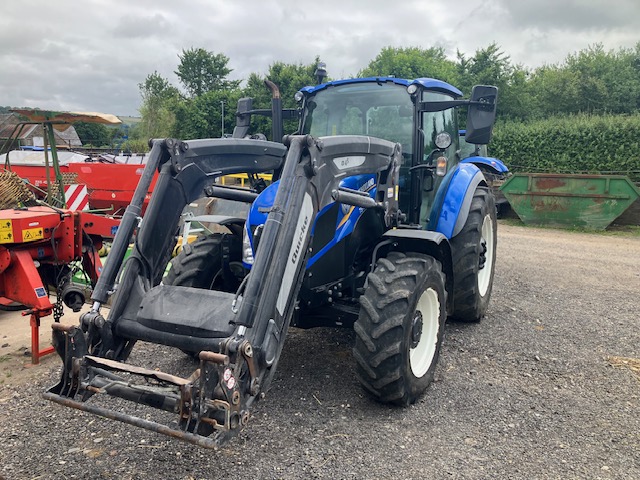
(416, 329)
(483, 254)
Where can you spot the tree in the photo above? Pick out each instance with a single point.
(517, 100)
(607, 81)
(157, 88)
(490, 66)
(95, 134)
(201, 71)
(201, 117)
(289, 77)
(555, 90)
(410, 63)
(159, 99)
(589, 81)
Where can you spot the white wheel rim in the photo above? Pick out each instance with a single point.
(484, 274)
(421, 356)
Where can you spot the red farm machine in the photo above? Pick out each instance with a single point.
(44, 242)
(107, 180)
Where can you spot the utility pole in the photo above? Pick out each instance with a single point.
(222, 119)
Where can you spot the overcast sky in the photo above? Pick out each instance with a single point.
(90, 55)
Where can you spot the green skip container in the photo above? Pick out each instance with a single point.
(588, 201)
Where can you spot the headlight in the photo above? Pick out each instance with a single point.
(443, 140)
(247, 251)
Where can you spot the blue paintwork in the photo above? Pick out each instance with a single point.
(447, 207)
(346, 220)
(264, 200)
(347, 216)
(316, 88)
(428, 83)
(461, 180)
(438, 199)
(255, 217)
(496, 165)
(438, 86)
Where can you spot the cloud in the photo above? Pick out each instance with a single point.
(574, 15)
(143, 26)
(91, 55)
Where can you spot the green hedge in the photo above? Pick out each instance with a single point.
(575, 144)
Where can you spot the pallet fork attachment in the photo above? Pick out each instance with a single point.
(238, 347)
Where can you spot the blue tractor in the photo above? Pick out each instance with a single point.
(396, 287)
(372, 223)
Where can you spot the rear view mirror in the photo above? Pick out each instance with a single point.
(482, 114)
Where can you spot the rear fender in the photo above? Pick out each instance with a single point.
(493, 164)
(457, 200)
(426, 242)
(259, 211)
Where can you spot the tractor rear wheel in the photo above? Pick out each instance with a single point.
(474, 258)
(200, 264)
(400, 327)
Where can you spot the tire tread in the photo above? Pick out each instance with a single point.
(380, 360)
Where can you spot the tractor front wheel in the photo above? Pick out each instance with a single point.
(474, 258)
(400, 327)
(200, 264)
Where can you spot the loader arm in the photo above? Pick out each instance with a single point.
(239, 337)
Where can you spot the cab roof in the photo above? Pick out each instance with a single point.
(431, 84)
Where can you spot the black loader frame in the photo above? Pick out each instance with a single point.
(239, 336)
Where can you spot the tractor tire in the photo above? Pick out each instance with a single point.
(474, 258)
(199, 264)
(400, 327)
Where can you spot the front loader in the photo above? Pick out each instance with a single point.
(238, 337)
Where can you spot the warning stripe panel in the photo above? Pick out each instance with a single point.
(77, 197)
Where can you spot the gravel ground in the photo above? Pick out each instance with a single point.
(528, 393)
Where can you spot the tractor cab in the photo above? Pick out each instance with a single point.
(419, 115)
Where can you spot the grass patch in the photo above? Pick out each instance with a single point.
(623, 230)
(611, 230)
(632, 364)
(512, 222)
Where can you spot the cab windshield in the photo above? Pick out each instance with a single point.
(382, 110)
